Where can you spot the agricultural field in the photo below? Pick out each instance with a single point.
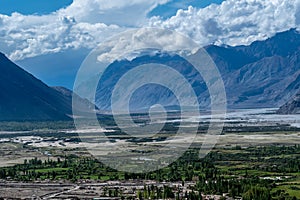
(254, 159)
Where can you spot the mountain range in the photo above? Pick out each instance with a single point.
(263, 74)
(24, 97)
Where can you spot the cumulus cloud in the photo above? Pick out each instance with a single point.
(234, 22)
(83, 24)
(130, 44)
(29, 36)
(124, 13)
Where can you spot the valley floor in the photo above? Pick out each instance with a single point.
(258, 153)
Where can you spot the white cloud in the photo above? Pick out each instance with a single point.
(234, 22)
(30, 36)
(85, 23)
(121, 12)
(134, 42)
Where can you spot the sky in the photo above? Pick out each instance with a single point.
(50, 38)
(26, 7)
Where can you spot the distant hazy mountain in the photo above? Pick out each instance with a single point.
(263, 74)
(82, 105)
(150, 94)
(23, 97)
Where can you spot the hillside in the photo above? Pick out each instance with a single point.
(263, 74)
(24, 97)
(291, 107)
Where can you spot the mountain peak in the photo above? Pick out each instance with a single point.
(282, 44)
(263, 74)
(23, 97)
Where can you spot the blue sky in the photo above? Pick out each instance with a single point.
(26, 7)
(40, 7)
(169, 9)
(34, 36)
(59, 68)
